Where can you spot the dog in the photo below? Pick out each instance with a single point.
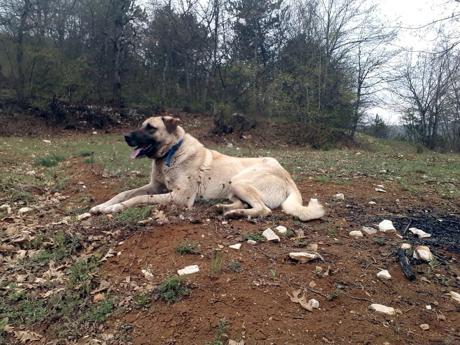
(183, 170)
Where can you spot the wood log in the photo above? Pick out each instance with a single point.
(405, 265)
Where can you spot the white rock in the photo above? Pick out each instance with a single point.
(369, 230)
(281, 229)
(23, 210)
(31, 173)
(147, 273)
(188, 270)
(270, 235)
(380, 308)
(419, 233)
(406, 246)
(6, 207)
(47, 141)
(356, 233)
(252, 242)
(423, 253)
(94, 133)
(428, 307)
(303, 257)
(236, 246)
(455, 296)
(384, 274)
(313, 303)
(339, 196)
(425, 326)
(380, 190)
(386, 225)
(372, 202)
(84, 216)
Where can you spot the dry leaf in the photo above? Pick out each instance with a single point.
(301, 300)
(25, 336)
(109, 254)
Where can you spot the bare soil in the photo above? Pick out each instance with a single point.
(254, 300)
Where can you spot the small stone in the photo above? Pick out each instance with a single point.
(339, 196)
(47, 141)
(94, 133)
(380, 190)
(423, 253)
(99, 297)
(23, 210)
(356, 233)
(380, 308)
(281, 229)
(147, 273)
(270, 235)
(384, 274)
(372, 203)
(425, 326)
(84, 216)
(312, 284)
(303, 257)
(455, 296)
(313, 303)
(236, 246)
(386, 226)
(252, 242)
(313, 247)
(369, 230)
(419, 233)
(234, 342)
(188, 270)
(428, 307)
(6, 207)
(406, 246)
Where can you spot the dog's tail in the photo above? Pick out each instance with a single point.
(293, 206)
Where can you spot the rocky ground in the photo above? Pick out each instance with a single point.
(69, 279)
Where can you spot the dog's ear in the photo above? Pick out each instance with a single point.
(171, 123)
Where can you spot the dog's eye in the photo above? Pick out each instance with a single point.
(150, 128)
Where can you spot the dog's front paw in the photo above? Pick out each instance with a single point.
(113, 208)
(96, 209)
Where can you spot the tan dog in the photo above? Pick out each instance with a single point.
(184, 170)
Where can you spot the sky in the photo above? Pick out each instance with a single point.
(412, 14)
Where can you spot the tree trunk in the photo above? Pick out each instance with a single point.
(20, 80)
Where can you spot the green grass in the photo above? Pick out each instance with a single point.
(132, 215)
(142, 300)
(172, 290)
(234, 266)
(221, 333)
(49, 160)
(255, 236)
(188, 247)
(216, 262)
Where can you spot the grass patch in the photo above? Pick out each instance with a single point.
(49, 160)
(255, 236)
(172, 290)
(379, 240)
(216, 262)
(64, 245)
(221, 333)
(132, 215)
(81, 271)
(234, 266)
(188, 247)
(100, 311)
(142, 300)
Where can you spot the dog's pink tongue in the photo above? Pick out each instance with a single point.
(136, 152)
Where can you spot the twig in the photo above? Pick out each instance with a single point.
(405, 265)
(407, 227)
(359, 298)
(317, 292)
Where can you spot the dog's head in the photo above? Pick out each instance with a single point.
(154, 138)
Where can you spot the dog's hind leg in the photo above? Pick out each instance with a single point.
(236, 204)
(250, 195)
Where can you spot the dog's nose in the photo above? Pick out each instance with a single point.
(129, 139)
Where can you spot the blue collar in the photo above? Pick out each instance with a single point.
(170, 154)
